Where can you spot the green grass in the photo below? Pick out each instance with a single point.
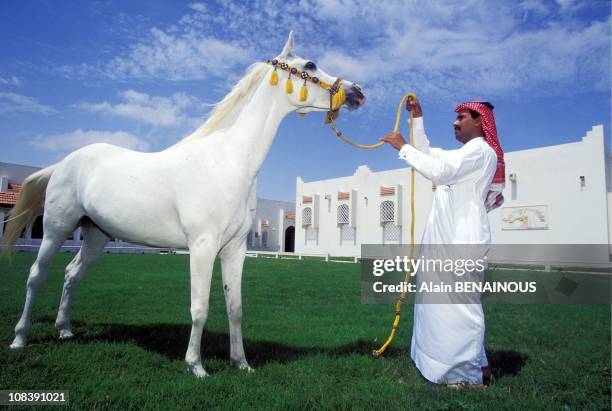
(306, 333)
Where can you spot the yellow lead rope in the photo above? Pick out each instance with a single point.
(398, 304)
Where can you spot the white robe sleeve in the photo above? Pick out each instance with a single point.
(421, 142)
(445, 167)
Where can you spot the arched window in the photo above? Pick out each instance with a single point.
(387, 211)
(343, 214)
(307, 216)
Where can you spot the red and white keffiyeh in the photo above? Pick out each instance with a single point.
(494, 197)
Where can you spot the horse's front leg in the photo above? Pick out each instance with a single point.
(201, 261)
(232, 261)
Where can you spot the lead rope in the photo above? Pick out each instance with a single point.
(398, 305)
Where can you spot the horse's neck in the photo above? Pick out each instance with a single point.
(250, 137)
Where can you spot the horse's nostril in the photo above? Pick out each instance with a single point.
(358, 92)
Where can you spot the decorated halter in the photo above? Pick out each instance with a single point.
(337, 95)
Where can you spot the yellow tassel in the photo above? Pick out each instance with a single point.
(289, 86)
(303, 93)
(338, 99)
(274, 78)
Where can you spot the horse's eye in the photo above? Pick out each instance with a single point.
(310, 66)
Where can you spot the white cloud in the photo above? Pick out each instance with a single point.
(10, 81)
(346, 66)
(201, 7)
(13, 103)
(169, 111)
(437, 50)
(185, 55)
(444, 48)
(537, 7)
(567, 4)
(68, 142)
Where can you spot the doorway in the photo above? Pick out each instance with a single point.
(290, 239)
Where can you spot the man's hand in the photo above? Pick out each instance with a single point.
(412, 104)
(395, 139)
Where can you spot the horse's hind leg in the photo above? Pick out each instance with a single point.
(94, 241)
(52, 240)
(232, 261)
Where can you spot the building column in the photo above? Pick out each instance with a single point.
(259, 232)
(2, 218)
(3, 184)
(77, 235)
(281, 230)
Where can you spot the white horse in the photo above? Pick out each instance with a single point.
(198, 194)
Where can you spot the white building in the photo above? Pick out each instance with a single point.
(554, 195)
(273, 227)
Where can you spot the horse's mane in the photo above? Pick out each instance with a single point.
(230, 102)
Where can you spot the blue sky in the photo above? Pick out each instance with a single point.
(143, 74)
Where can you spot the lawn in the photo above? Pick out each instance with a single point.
(306, 334)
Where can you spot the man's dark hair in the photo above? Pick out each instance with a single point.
(475, 115)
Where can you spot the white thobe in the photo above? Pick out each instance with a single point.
(448, 339)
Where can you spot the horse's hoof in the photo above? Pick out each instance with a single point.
(198, 370)
(246, 367)
(18, 342)
(65, 334)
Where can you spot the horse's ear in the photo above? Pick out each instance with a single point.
(288, 49)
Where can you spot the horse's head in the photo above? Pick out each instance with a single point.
(310, 88)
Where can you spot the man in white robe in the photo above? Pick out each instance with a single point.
(448, 339)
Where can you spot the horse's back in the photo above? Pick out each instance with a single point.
(82, 165)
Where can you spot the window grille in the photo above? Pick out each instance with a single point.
(343, 214)
(311, 235)
(392, 232)
(347, 233)
(307, 216)
(387, 211)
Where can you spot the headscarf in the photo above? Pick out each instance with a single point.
(495, 197)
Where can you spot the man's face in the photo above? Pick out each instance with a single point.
(466, 127)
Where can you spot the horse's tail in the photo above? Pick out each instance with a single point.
(27, 208)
